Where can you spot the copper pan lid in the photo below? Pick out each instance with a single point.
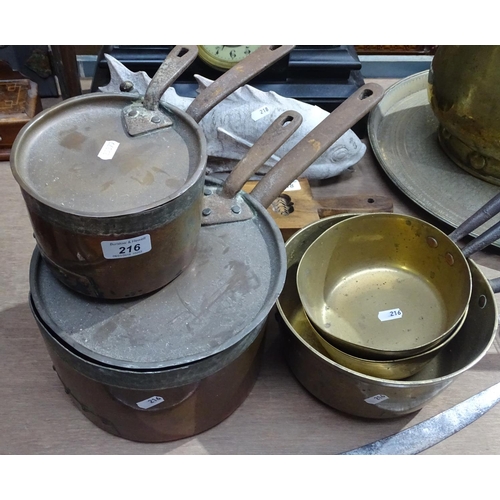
(79, 157)
(223, 295)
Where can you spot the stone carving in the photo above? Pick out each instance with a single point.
(235, 124)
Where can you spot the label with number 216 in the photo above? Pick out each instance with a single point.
(121, 249)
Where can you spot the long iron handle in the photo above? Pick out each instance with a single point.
(265, 146)
(249, 67)
(314, 144)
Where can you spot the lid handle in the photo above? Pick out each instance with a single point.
(145, 116)
(177, 61)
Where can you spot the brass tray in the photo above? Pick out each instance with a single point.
(402, 130)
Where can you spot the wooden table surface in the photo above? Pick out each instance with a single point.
(278, 417)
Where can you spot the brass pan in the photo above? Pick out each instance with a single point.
(387, 286)
(363, 395)
(391, 369)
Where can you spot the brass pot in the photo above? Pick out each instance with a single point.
(384, 286)
(465, 97)
(387, 286)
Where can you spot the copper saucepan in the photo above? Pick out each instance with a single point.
(114, 183)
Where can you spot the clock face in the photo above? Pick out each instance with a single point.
(224, 56)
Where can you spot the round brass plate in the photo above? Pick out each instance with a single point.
(403, 134)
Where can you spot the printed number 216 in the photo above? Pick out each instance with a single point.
(130, 248)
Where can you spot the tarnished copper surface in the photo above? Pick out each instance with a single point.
(57, 158)
(72, 247)
(103, 169)
(156, 410)
(228, 288)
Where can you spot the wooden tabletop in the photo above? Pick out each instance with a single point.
(278, 417)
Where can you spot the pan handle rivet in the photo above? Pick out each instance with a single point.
(206, 212)
(156, 119)
(126, 86)
(207, 191)
(236, 209)
(134, 112)
(432, 242)
(482, 302)
(450, 259)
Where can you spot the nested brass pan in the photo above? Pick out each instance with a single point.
(391, 369)
(363, 395)
(386, 286)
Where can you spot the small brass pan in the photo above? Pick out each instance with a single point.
(387, 286)
(389, 369)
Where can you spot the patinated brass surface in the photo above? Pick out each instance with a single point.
(403, 134)
(464, 96)
(391, 369)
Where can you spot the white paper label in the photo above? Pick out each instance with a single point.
(108, 150)
(376, 399)
(148, 403)
(260, 113)
(121, 249)
(390, 314)
(294, 186)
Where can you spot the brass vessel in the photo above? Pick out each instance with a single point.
(465, 97)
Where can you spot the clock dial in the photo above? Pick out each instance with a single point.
(223, 57)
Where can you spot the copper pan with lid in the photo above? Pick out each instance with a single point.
(114, 183)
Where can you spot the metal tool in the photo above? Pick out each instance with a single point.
(430, 432)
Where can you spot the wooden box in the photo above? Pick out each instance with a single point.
(19, 103)
(296, 207)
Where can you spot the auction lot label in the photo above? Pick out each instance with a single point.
(121, 249)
